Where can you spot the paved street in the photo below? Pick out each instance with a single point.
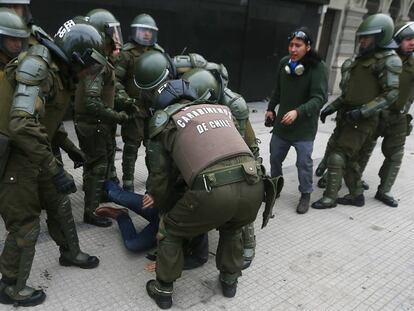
(346, 258)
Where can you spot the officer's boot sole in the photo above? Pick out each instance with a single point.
(37, 298)
(91, 263)
(163, 302)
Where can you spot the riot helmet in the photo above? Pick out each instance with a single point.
(144, 30)
(203, 82)
(78, 44)
(21, 7)
(14, 33)
(151, 69)
(171, 92)
(403, 36)
(106, 23)
(376, 31)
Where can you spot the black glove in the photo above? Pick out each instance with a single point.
(64, 182)
(353, 115)
(77, 156)
(328, 110)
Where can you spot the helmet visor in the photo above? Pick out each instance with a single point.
(88, 58)
(113, 30)
(13, 46)
(366, 43)
(22, 9)
(405, 32)
(144, 35)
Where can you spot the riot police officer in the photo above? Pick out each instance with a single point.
(394, 123)
(33, 178)
(376, 68)
(96, 119)
(143, 37)
(178, 151)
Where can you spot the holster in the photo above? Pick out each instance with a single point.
(4, 153)
(272, 186)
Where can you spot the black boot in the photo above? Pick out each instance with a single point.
(27, 297)
(161, 293)
(303, 205)
(229, 290)
(324, 203)
(82, 260)
(359, 200)
(386, 199)
(96, 220)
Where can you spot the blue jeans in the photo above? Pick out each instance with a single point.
(133, 240)
(279, 149)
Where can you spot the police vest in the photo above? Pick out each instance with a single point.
(206, 134)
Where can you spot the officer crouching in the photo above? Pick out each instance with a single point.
(195, 142)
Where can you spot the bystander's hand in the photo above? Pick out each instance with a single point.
(289, 117)
(148, 201)
(270, 115)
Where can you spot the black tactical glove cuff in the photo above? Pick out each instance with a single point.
(64, 182)
(77, 156)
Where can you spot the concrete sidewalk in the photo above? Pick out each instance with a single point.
(346, 258)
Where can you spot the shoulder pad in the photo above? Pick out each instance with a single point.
(173, 109)
(384, 53)
(236, 103)
(31, 70)
(37, 30)
(158, 122)
(157, 47)
(347, 64)
(393, 63)
(128, 46)
(197, 60)
(40, 51)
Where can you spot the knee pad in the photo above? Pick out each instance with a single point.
(27, 235)
(336, 160)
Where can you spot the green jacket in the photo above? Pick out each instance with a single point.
(306, 93)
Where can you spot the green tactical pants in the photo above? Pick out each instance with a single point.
(344, 157)
(227, 208)
(24, 192)
(132, 133)
(393, 126)
(96, 141)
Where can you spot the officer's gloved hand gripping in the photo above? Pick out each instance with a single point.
(64, 182)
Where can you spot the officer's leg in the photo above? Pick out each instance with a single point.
(278, 152)
(20, 211)
(393, 150)
(62, 227)
(132, 135)
(112, 169)
(324, 162)
(229, 259)
(170, 261)
(336, 165)
(249, 244)
(93, 141)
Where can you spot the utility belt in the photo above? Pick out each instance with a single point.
(247, 171)
(4, 153)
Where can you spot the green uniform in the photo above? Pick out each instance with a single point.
(132, 132)
(39, 104)
(219, 195)
(95, 119)
(394, 127)
(378, 74)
